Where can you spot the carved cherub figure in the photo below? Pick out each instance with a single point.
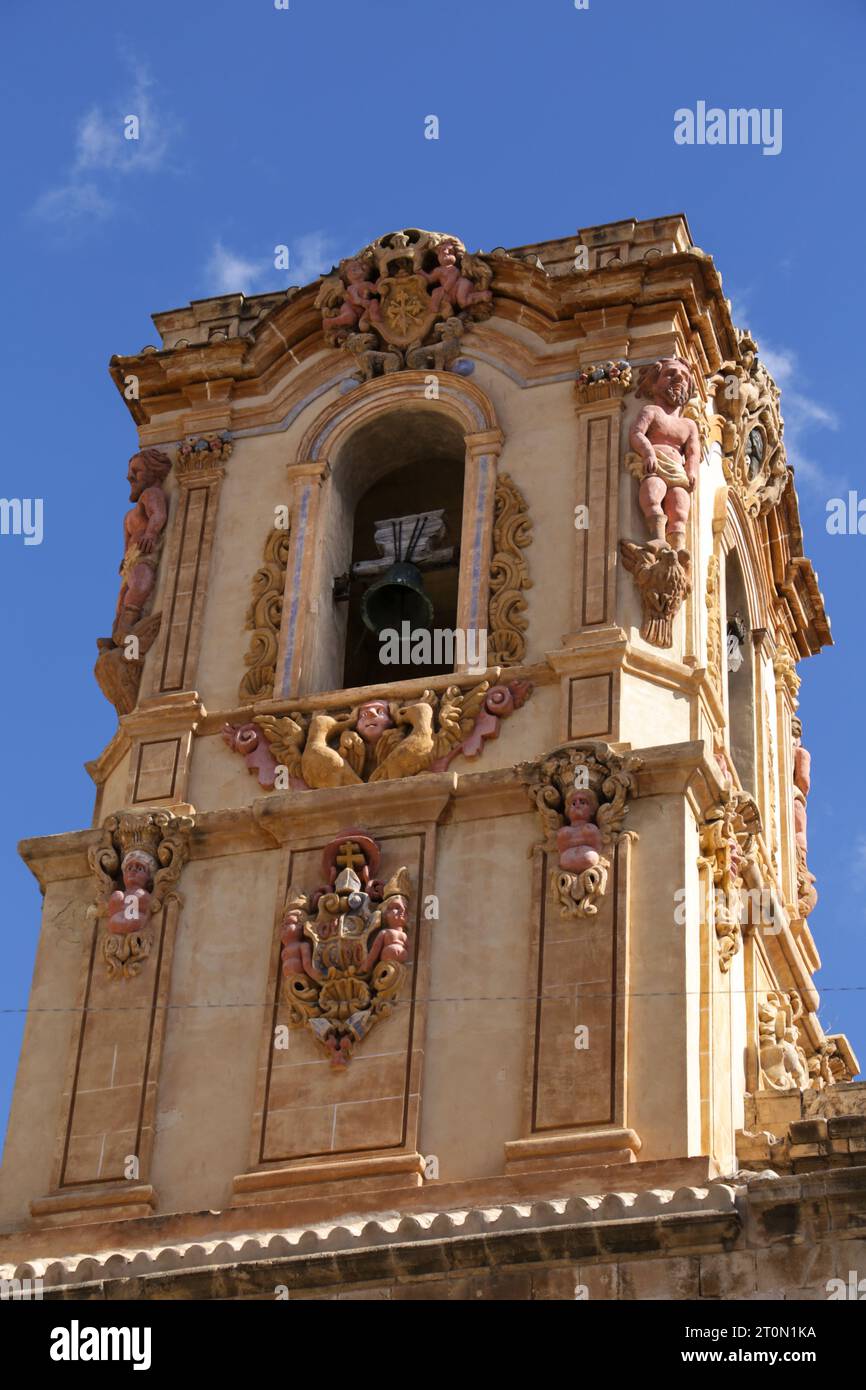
(580, 842)
(142, 529)
(297, 953)
(349, 300)
(667, 450)
(374, 717)
(452, 286)
(129, 907)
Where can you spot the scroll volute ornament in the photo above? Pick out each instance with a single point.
(747, 399)
(727, 838)
(136, 867)
(264, 616)
(345, 946)
(581, 791)
(509, 575)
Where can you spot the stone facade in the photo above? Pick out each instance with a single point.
(486, 982)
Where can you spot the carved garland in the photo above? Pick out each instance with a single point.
(727, 841)
(509, 575)
(714, 625)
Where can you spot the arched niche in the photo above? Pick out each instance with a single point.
(357, 444)
(739, 669)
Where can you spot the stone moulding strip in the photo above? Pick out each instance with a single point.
(605, 1219)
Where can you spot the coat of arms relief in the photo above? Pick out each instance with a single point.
(404, 301)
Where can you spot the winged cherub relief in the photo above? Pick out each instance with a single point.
(379, 739)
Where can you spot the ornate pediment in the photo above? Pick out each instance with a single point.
(404, 302)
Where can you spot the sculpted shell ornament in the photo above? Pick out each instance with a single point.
(135, 867)
(580, 791)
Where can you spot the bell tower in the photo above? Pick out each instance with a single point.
(448, 868)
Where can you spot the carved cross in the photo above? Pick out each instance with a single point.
(350, 855)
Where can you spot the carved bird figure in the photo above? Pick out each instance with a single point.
(401, 754)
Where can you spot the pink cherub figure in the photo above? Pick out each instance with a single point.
(579, 843)
(667, 451)
(360, 305)
(453, 288)
(129, 907)
(392, 942)
(296, 955)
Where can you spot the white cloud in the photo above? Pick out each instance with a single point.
(101, 141)
(802, 414)
(102, 151)
(72, 201)
(230, 272)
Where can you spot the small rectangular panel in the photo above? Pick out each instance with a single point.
(156, 772)
(590, 706)
(577, 988)
(178, 617)
(312, 1109)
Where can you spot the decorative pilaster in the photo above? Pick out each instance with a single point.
(199, 472)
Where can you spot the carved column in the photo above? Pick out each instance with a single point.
(476, 540)
(199, 470)
(305, 490)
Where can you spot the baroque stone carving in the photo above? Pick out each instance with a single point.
(663, 579)
(376, 741)
(264, 616)
(747, 399)
(786, 672)
(136, 867)
(345, 947)
(807, 895)
(602, 381)
(509, 575)
(202, 454)
(121, 656)
(783, 1060)
(666, 450)
(581, 791)
(665, 457)
(714, 625)
(727, 839)
(404, 301)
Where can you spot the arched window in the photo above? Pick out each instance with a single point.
(739, 674)
(397, 499)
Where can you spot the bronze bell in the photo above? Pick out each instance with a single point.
(396, 598)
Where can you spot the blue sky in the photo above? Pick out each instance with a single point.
(305, 127)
